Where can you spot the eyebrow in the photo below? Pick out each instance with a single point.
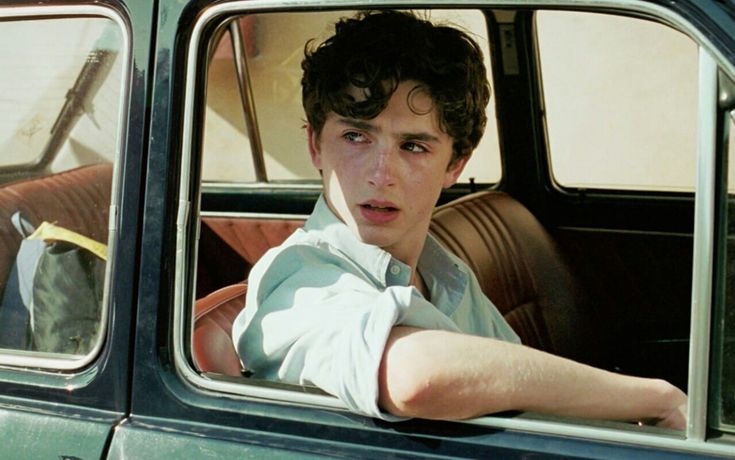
(369, 127)
(358, 124)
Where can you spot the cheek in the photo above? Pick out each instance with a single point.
(349, 170)
(423, 193)
(338, 184)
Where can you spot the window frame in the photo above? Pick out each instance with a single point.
(693, 440)
(50, 364)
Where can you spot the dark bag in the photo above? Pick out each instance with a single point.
(53, 299)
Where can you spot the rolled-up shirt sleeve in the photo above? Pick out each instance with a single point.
(316, 319)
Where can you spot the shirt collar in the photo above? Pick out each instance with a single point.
(442, 274)
(370, 258)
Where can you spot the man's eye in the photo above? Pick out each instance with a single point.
(413, 147)
(354, 137)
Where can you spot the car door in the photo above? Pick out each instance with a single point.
(197, 231)
(72, 116)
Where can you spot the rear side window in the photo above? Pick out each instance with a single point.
(60, 125)
(621, 102)
(61, 90)
(270, 86)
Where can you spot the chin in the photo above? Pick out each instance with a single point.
(378, 238)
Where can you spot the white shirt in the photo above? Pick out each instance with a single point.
(320, 308)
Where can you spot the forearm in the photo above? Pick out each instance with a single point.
(442, 375)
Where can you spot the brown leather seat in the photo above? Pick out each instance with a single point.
(521, 269)
(78, 199)
(516, 261)
(212, 346)
(251, 238)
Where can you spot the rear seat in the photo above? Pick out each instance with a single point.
(251, 238)
(212, 342)
(521, 269)
(78, 199)
(517, 263)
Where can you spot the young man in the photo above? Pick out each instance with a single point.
(362, 302)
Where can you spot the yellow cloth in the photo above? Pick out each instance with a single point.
(48, 231)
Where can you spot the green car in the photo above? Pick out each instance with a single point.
(161, 146)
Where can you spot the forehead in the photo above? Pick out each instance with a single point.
(410, 106)
(413, 93)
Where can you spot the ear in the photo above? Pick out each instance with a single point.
(454, 169)
(314, 149)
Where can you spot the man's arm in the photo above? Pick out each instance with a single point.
(443, 375)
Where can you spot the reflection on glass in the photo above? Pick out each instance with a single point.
(62, 94)
(60, 114)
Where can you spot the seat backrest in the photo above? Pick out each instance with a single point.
(251, 238)
(521, 269)
(212, 347)
(78, 199)
(517, 263)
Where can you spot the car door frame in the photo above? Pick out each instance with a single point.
(75, 411)
(183, 411)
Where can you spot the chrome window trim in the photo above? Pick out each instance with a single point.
(253, 215)
(702, 269)
(669, 441)
(261, 185)
(48, 362)
(248, 101)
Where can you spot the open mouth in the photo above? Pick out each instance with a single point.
(378, 208)
(379, 212)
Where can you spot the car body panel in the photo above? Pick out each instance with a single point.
(72, 414)
(139, 399)
(47, 434)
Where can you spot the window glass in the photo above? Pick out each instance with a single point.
(725, 404)
(274, 46)
(77, 68)
(621, 99)
(59, 133)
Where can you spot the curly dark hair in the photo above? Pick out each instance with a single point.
(376, 51)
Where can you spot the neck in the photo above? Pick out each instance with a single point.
(408, 252)
(418, 282)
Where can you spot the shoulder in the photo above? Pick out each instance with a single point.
(440, 258)
(301, 260)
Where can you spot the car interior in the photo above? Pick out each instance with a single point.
(602, 276)
(595, 214)
(599, 275)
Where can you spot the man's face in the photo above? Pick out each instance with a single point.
(383, 176)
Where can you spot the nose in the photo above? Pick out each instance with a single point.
(382, 169)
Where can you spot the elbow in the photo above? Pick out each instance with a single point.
(425, 397)
(419, 391)
(413, 382)
(407, 394)
(405, 382)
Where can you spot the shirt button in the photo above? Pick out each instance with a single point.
(395, 269)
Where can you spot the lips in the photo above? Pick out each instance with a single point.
(379, 212)
(379, 208)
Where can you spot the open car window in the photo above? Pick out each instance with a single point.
(596, 139)
(269, 83)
